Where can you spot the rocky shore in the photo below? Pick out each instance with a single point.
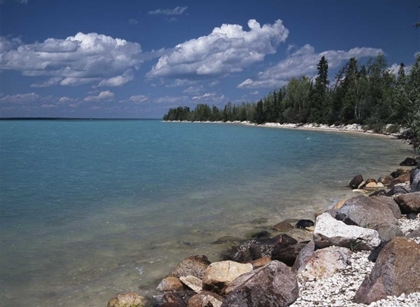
(363, 251)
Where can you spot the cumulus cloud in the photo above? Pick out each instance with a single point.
(50, 82)
(179, 10)
(303, 62)
(394, 68)
(226, 49)
(102, 96)
(118, 80)
(87, 57)
(20, 98)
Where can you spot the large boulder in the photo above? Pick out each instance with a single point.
(205, 299)
(329, 231)
(415, 180)
(390, 202)
(409, 162)
(409, 202)
(170, 283)
(273, 285)
(220, 274)
(287, 254)
(127, 299)
(356, 181)
(194, 265)
(398, 189)
(177, 298)
(323, 263)
(396, 271)
(304, 256)
(192, 282)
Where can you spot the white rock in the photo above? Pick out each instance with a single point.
(329, 231)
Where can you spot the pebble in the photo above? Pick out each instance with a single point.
(340, 289)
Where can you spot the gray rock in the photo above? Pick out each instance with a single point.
(194, 265)
(329, 231)
(177, 298)
(356, 181)
(390, 202)
(273, 285)
(205, 299)
(396, 271)
(415, 180)
(409, 202)
(304, 256)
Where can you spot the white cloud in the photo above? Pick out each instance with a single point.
(18, 1)
(205, 96)
(179, 10)
(105, 95)
(394, 68)
(133, 21)
(193, 89)
(50, 82)
(303, 62)
(227, 49)
(20, 98)
(171, 99)
(181, 82)
(118, 80)
(89, 57)
(138, 98)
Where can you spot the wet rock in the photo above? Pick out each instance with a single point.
(261, 236)
(409, 202)
(390, 202)
(282, 226)
(304, 224)
(385, 180)
(220, 274)
(398, 189)
(228, 239)
(205, 299)
(398, 173)
(287, 254)
(409, 162)
(192, 282)
(329, 231)
(304, 256)
(396, 271)
(356, 181)
(273, 285)
(323, 263)
(170, 284)
(194, 265)
(177, 298)
(127, 299)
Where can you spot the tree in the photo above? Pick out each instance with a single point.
(259, 116)
(320, 110)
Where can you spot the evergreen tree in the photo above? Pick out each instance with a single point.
(320, 110)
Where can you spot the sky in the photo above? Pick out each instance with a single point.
(137, 59)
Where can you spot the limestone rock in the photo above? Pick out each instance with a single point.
(194, 265)
(409, 202)
(205, 299)
(273, 285)
(170, 284)
(192, 282)
(127, 299)
(396, 271)
(325, 262)
(329, 231)
(356, 181)
(220, 274)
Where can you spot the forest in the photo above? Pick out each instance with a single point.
(370, 95)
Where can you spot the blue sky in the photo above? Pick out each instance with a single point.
(136, 59)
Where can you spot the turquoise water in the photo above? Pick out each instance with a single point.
(91, 208)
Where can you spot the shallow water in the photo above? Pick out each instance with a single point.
(91, 208)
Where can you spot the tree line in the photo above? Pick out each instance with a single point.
(370, 95)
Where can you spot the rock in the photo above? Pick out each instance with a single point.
(370, 180)
(205, 299)
(398, 189)
(390, 202)
(192, 282)
(127, 299)
(283, 226)
(370, 185)
(304, 256)
(257, 263)
(177, 298)
(227, 239)
(404, 177)
(220, 274)
(339, 204)
(194, 265)
(287, 254)
(325, 262)
(385, 180)
(415, 180)
(378, 193)
(412, 215)
(396, 271)
(414, 234)
(387, 232)
(398, 173)
(261, 236)
(273, 285)
(375, 253)
(170, 284)
(409, 202)
(356, 181)
(329, 231)
(304, 224)
(409, 162)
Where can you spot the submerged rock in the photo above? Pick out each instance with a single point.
(356, 181)
(409, 162)
(127, 299)
(304, 224)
